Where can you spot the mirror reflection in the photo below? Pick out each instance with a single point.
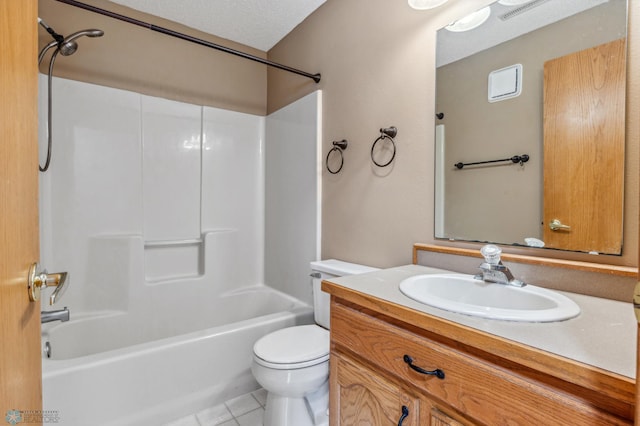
(530, 125)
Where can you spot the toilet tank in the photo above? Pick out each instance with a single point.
(327, 269)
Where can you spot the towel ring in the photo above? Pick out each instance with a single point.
(338, 146)
(386, 133)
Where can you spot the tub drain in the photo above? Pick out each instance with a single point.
(47, 349)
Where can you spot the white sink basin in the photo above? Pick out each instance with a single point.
(466, 295)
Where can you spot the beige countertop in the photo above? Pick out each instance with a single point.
(603, 335)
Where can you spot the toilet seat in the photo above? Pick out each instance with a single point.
(293, 347)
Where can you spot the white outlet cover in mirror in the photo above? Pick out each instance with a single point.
(505, 83)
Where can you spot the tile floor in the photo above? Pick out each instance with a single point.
(245, 410)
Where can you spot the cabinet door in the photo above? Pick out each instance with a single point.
(438, 418)
(360, 397)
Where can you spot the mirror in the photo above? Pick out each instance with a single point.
(530, 126)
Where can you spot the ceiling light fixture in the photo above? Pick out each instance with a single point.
(426, 4)
(470, 21)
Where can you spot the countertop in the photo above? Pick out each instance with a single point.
(603, 335)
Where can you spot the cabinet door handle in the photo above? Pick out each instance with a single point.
(437, 372)
(405, 414)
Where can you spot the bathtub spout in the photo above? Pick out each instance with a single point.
(59, 315)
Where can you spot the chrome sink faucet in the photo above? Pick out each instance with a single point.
(493, 270)
(59, 315)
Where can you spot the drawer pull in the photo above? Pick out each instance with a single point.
(405, 414)
(437, 372)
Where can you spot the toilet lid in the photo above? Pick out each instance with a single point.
(293, 345)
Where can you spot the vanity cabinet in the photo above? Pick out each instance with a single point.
(374, 350)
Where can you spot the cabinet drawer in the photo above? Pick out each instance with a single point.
(480, 390)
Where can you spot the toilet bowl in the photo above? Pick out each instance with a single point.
(292, 364)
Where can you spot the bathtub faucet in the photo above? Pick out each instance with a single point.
(59, 315)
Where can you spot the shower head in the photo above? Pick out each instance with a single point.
(69, 45)
(68, 48)
(88, 33)
(65, 46)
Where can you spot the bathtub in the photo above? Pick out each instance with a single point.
(116, 368)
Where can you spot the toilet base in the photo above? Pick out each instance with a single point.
(305, 411)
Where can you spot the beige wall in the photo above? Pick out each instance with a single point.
(137, 59)
(378, 65)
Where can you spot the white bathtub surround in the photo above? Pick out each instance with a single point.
(440, 186)
(233, 187)
(157, 210)
(94, 183)
(171, 151)
(108, 155)
(293, 194)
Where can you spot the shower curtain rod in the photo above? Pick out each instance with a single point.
(166, 31)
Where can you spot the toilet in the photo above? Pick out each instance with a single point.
(292, 364)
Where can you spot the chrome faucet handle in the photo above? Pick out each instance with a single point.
(37, 280)
(491, 254)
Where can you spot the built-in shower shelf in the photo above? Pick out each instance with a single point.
(164, 243)
(168, 260)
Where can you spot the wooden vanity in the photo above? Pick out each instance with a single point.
(468, 376)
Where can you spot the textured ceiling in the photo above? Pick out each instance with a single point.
(256, 23)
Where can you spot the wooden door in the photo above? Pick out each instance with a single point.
(361, 397)
(584, 136)
(20, 359)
